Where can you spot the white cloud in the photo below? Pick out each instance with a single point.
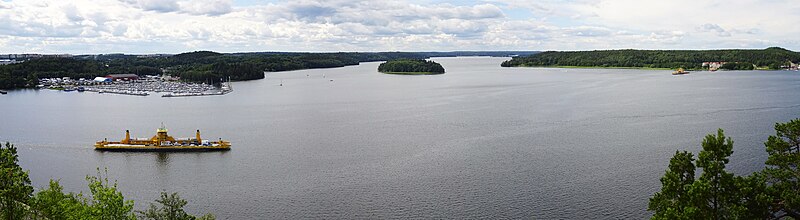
(150, 26)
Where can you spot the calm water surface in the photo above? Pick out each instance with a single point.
(480, 141)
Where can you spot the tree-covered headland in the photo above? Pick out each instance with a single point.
(18, 200)
(772, 193)
(411, 67)
(770, 58)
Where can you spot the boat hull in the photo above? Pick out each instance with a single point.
(161, 149)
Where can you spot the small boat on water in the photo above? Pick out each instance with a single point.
(69, 89)
(680, 71)
(3, 92)
(81, 89)
(162, 142)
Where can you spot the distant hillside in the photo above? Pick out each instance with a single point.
(770, 58)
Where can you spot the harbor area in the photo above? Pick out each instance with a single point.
(165, 86)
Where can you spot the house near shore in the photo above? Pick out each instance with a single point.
(713, 66)
(791, 66)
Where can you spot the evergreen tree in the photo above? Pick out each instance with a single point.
(715, 189)
(15, 186)
(782, 172)
(674, 200)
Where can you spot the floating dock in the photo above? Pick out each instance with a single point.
(162, 142)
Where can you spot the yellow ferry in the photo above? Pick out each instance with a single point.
(680, 71)
(162, 142)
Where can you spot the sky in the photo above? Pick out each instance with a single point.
(175, 26)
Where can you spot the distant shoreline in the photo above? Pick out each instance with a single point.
(632, 68)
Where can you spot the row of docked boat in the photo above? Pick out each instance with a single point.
(120, 92)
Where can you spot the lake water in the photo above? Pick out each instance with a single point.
(480, 141)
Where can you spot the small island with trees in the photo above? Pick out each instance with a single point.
(411, 67)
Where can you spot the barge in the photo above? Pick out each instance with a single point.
(162, 142)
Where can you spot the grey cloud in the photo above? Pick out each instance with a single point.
(155, 5)
(72, 13)
(714, 28)
(194, 7)
(312, 12)
(6, 5)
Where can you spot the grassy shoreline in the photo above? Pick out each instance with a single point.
(412, 73)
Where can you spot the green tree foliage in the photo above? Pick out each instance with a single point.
(754, 202)
(411, 66)
(107, 202)
(773, 193)
(771, 58)
(170, 208)
(782, 171)
(53, 203)
(15, 186)
(674, 200)
(714, 195)
(715, 188)
(738, 66)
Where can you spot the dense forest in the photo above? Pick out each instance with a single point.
(411, 66)
(770, 58)
(200, 66)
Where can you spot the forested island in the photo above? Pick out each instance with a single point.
(772, 58)
(411, 67)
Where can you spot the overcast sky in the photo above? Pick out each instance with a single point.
(174, 26)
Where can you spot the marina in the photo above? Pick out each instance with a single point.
(137, 87)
